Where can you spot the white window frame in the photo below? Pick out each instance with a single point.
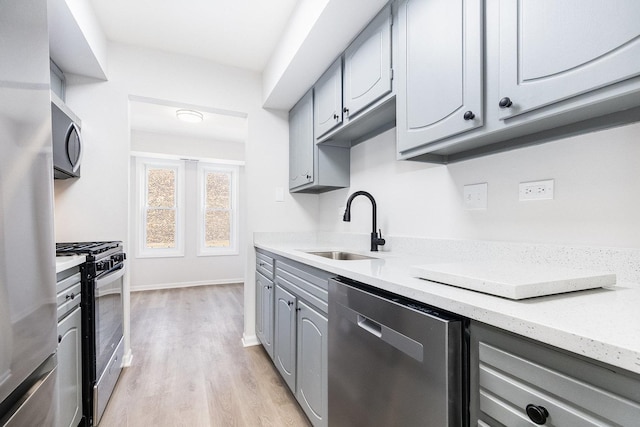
(202, 250)
(142, 165)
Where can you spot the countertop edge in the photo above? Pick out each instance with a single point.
(561, 321)
(66, 262)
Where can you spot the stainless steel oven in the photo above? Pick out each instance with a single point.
(108, 337)
(102, 321)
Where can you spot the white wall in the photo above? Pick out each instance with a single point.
(186, 146)
(597, 183)
(96, 205)
(190, 269)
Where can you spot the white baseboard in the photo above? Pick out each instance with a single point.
(249, 340)
(154, 287)
(127, 359)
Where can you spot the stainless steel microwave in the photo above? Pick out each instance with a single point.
(67, 142)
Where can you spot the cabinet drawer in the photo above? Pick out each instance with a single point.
(68, 298)
(67, 282)
(264, 265)
(508, 383)
(308, 283)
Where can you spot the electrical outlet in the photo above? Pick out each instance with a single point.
(536, 190)
(475, 196)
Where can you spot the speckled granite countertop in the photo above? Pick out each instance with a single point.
(602, 324)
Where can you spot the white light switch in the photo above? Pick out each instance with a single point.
(475, 196)
(279, 194)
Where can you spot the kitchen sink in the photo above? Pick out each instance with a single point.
(342, 256)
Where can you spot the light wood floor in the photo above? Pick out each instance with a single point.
(190, 369)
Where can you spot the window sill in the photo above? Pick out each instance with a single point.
(222, 252)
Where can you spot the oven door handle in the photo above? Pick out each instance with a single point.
(110, 277)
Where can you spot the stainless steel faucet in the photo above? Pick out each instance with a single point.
(376, 239)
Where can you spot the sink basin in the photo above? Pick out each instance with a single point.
(343, 256)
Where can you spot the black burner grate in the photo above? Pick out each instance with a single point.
(85, 248)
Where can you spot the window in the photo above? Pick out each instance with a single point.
(217, 213)
(161, 216)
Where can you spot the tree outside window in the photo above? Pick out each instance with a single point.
(160, 208)
(218, 213)
(161, 214)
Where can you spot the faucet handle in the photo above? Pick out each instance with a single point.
(379, 240)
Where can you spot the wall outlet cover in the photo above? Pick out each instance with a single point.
(536, 190)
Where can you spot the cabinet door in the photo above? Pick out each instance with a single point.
(312, 364)
(367, 66)
(301, 142)
(264, 312)
(440, 70)
(69, 370)
(554, 50)
(259, 318)
(285, 339)
(327, 100)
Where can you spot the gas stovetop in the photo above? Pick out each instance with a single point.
(86, 248)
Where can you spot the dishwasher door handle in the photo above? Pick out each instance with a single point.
(370, 326)
(397, 339)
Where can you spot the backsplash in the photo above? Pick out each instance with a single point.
(624, 262)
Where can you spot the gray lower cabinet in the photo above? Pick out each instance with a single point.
(265, 300)
(519, 382)
(69, 352)
(312, 362)
(300, 341)
(69, 370)
(264, 312)
(285, 336)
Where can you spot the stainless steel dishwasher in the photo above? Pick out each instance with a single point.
(393, 361)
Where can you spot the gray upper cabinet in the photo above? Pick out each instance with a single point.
(367, 66)
(312, 363)
(549, 53)
(551, 69)
(301, 144)
(440, 70)
(327, 105)
(313, 168)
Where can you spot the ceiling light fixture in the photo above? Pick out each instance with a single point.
(190, 116)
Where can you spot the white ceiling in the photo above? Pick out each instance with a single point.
(160, 117)
(240, 33)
